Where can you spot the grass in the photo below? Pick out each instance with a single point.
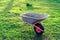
(11, 28)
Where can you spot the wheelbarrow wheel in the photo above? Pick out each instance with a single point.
(39, 29)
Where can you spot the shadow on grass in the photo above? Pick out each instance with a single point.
(41, 37)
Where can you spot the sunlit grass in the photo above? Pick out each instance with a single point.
(11, 28)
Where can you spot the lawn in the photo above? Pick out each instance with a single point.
(11, 28)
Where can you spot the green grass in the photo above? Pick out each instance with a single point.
(11, 28)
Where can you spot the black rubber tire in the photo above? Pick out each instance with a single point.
(41, 27)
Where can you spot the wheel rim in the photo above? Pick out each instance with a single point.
(38, 29)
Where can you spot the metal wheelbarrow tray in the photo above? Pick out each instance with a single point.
(33, 17)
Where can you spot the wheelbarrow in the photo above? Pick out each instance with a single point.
(35, 20)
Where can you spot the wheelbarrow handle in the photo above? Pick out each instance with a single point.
(15, 16)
